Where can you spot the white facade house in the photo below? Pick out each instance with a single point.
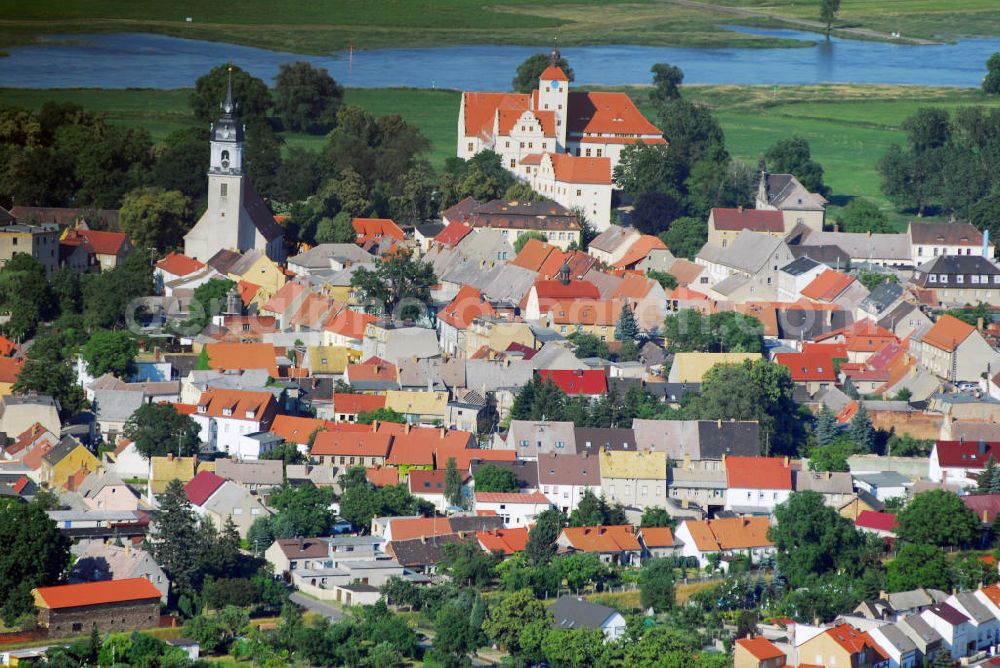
(126, 462)
(953, 626)
(959, 462)
(929, 240)
(986, 626)
(575, 182)
(236, 217)
(565, 478)
(226, 416)
(517, 510)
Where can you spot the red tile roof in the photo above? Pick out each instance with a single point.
(97, 593)
(242, 356)
(202, 486)
(553, 73)
(357, 403)
(7, 347)
(236, 404)
(247, 291)
(806, 367)
(10, 369)
(467, 305)
(481, 109)
(606, 113)
(407, 528)
(657, 536)
(761, 648)
(452, 234)
(869, 519)
(831, 350)
(375, 228)
(602, 539)
(369, 370)
(504, 541)
(639, 250)
(729, 533)
(350, 324)
(296, 429)
(573, 169)
(985, 506)
(575, 382)
(948, 333)
(854, 641)
(599, 312)
(535, 253)
(507, 119)
(511, 497)
(755, 220)
(758, 473)
(102, 243)
(828, 286)
(178, 264)
(351, 444)
(551, 289)
(966, 454)
(382, 476)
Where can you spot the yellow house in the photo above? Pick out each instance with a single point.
(165, 469)
(496, 335)
(690, 367)
(257, 268)
(758, 652)
(842, 645)
(330, 360)
(593, 316)
(9, 370)
(427, 407)
(65, 459)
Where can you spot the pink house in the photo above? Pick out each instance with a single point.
(107, 492)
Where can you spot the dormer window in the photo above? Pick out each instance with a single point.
(202, 408)
(227, 411)
(249, 415)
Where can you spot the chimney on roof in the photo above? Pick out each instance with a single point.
(829, 317)
(718, 424)
(423, 540)
(685, 503)
(374, 426)
(170, 456)
(687, 460)
(979, 324)
(443, 432)
(786, 461)
(406, 429)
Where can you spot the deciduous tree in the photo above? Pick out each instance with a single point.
(35, 553)
(918, 566)
(110, 352)
(493, 478)
(452, 483)
(938, 517)
(541, 546)
(306, 98)
(667, 79)
(249, 93)
(991, 82)
(159, 430)
(155, 218)
(529, 71)
(792, 156)
(398, 286)
(828, 12)
(510, 614)
(656, 585)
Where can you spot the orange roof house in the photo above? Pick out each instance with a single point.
(368, 229)
(724, 535)
(361, 448)
(349, 324)
(948, 333)
(383, 476)
(758, 473)
(638, 251)
(346, 404)
(237, 405)
(242, 356)
(759, 652)
(535, 253)
(618, 540)
(96, 593)
(10, 369)
(575, 169)
(467, 305)
(657, 537)
(178, 264)
(828, 286)
(296, 429)
(808, 367)
(503, 541)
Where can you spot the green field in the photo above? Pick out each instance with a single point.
(848, 127)
(332, 25)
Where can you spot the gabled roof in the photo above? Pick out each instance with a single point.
(95, 593)
(504, 541)
(828, 286)
(303, 548)
(948, 614)
(101, 243)
(235, 404)
(657, 537)
(645, 465)
(755, 220)
(869, 519)
(806, 367)
(948, 333)
(383, 476)
(734, 533)
(351, 444)
(357, 403)
(639, 250)
(375, 228)
(456, 231)
(202, 486)
(179, 264)
(605, 113)
(573, 612)
(758, 473)
(240, 356)
(854, 641)
(966, 454)
(350, 324)
(553, 73)
(296, 429)
(576, 169)
(945, 234)
(577, 382)
(761, 648)
(459, 212)
(531, 498)
(468, 304)
(602, 539)
(10, 369)
(985, 506)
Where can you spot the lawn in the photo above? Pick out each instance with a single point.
(323, 27)
(848, 127)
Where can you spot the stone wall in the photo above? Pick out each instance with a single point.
(107, 618)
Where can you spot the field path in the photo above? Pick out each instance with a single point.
(806, 23)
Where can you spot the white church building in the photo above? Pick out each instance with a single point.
(565, 144)
(237, 218)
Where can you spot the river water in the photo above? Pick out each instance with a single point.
(140, 60)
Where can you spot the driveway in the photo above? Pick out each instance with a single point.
(312, 605)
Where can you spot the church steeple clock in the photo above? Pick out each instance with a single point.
(227, 138)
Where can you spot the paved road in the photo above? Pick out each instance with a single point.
(312, 605)
(813, 25)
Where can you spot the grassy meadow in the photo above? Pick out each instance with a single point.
(324, 27)
(848, 127)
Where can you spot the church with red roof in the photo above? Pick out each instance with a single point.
(566, 144)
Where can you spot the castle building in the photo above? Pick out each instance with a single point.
(236, 219)
(564, 144)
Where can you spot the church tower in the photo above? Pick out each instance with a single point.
(236, 218)
(225, 171)
(553, 95)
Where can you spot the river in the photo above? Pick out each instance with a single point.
(141, 60)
